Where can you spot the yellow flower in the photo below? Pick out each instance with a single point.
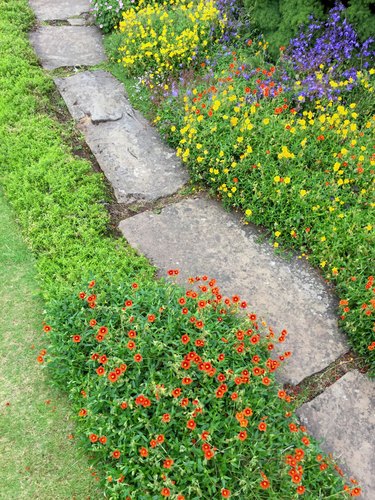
(276, 178)
(234, 121)
(266, 121)
(286, 180)
(248, 212)
(323, 263)
(368, 227)
(323, 238)
(303, 192)
(275, 244)
(277, 234)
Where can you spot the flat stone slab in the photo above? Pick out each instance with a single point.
(129, 151)
(96, 94)
(58, 10)
(199, 237)
(343, 416)
(60, 46)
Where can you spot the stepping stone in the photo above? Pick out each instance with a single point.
(129, 151)
(199, 237)
(57, 10)
(343, 416)
(60, 46)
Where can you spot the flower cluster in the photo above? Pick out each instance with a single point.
(199, 405)
(108, 13)
(326, 57)
(306, 173)
(165, 37)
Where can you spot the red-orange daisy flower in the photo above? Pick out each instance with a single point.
(168, 462)
(191, 424)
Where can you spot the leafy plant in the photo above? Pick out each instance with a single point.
(175, 395)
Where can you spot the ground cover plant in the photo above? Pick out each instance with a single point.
(58, 199)
(37, 459)
(175, 395)
(295, 150)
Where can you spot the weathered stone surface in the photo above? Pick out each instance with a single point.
(129, 151)
(54, 10)
(343, 416)
(77, 21)
(59, 46)
(96, 94)
(199, 237)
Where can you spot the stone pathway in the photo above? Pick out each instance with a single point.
(199, 237)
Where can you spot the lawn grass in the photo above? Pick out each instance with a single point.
(37, 460)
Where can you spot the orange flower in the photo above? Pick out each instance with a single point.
(262, 426)
(116, 454)
(47, 328)
(168, 463)
(103, 439)
(124, 405)
(242, 435)
(191, 424)
(225, 493)
(209, 454)
(151, 318)
(82, 412)
(143, 452)
(176, 392)
(166, 417)
(160, 438)
(138, 358)
(265, 484)
(93, 438)
(205, 435)
(165, 492)
(76, 338)
(100, 371)
(301, 490)
(112, 377)
(305, 441)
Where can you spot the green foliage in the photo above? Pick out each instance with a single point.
(362, 17)
(108, 13)
(175, 395)
(34, 424)
(59, 201)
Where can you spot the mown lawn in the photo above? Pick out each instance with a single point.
(37, 460)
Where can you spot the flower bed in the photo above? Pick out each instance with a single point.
(295, 153)
(175, 395)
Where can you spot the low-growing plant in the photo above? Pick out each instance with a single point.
(175, 395)
(305, 175)
(162, 38)
(108, 13)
